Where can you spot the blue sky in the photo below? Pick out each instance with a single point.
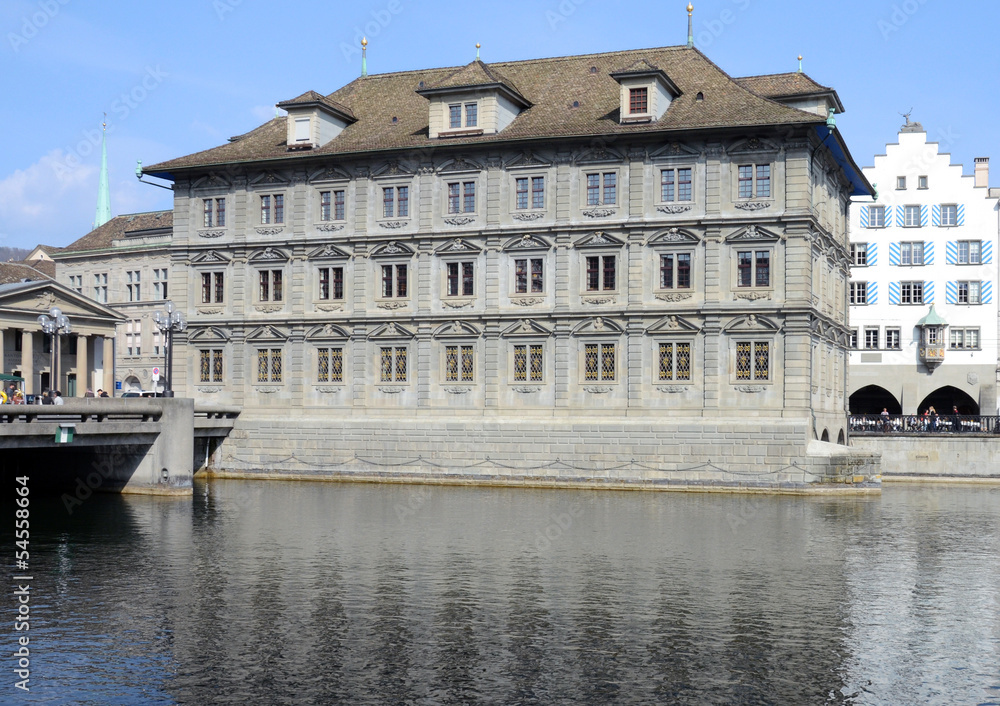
(182, 76)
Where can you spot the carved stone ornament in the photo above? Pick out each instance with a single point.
(598, 389)
(751, 389)
(527, 216)
(458, 390)
(972, 379)
(459, 221)
(210, 390)
(329, 307)
(392, 249)
(525, 325)
(753, 143)
(527, 301)
(212, 256)
(526, 242)
(211, 233)
(391, 390)
(672, 389)
(329, 228)
(209, 312)
(675, 148)
(753, 205)
(525, 390)
(673, 323)
(459, 304)
(268, 309)
(329, 390)
(677, 297)
(270, 254)
(673, 209)
(599, 239)
(266, 390)
(391, 225)
(752, 321)
(272, 230)
(329, 251)
(460, 245)
(599, 212)
(391, 330)
(599, 300)
(45, 300)
(391, 306)
(752, 296)
(598, 324)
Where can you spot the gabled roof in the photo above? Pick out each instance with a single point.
(12, 272)
(46, 267)
(571, 96)
(13, 292)
(41, 250)
(311, 99)
(118, 227)
(788, 85)
(475, 75)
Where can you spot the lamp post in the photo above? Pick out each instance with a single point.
(168, 322)
(55, 324)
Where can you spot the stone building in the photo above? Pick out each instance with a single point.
(628, 254)
(923, 312)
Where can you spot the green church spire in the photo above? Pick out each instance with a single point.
(103, 190)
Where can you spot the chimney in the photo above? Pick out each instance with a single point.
(983, 172)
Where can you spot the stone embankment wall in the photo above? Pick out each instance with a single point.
(690, 454)
(935, 456)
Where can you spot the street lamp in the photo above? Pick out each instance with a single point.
(169, 322)
(55, 324)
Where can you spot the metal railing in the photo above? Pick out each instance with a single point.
(902, 424)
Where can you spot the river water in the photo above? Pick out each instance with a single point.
(329, 593)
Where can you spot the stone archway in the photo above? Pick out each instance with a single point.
(131, 384)
(872, 400)
(944, 398)
(841, 439)
(826, 436)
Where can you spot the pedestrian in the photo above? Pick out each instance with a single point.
(18, 397)
(954, 418)
(104, 393)
(89, 393)
(47, 397)
(58, 398)
(885, 419)
(932, 413)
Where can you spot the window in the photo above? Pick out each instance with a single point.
(911, 292)
(537, 192)
(455, 115)
(160, 283)
(528, 363)
(132, 286)
(157, 342)
(268, 365)
(459, 364)
(218, 217)
(393, 359)
(753, 268)
(461, 280)
(933, 336)
(599, 362)
(675, 271)
(853, 342)
(753, 360)
(675, 184)
(302, 129)
(858, 293)
(76, 283)
(331, 283)
(892, 339)
(638, 101)
(396, 201)
(921, 182)
(331, 205)
(394, 281)
(901, 182)
(964, 339)
(754, 181)
(212, 287)
(969, 293)
(859, 254)
(601, 273)
(602, 189)
(675, 361)
(270, 285)
(330, 365)
(211, 365)
(462, 197)
(272, 209)
(133, 338)
(949, 215)
(101, 287)
(529, 270)
(876, 216)
(911, 216)
(970, 252)
(911, 253)
(871, 337)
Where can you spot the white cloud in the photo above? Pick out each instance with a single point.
(265, 113)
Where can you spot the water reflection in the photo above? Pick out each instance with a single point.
(329, 593)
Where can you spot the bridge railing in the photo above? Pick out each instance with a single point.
(905, 424)
(95, 409)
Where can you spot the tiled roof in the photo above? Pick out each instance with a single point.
(11, 272)
(314, 97)
(782, 85)
(474, 74)
(570, 97)
(47, 249)
(46, 267)
(119, 227)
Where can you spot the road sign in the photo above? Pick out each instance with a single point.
(156, 374)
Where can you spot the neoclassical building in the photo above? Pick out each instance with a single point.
(424, 260)
(923, 312)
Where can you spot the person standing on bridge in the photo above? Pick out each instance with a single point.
(57, 399)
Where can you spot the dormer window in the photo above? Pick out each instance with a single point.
(646, 92)
(303, 130)
(475, 100)
(638, 101)
(314, 120)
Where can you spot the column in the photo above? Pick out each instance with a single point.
(82, 364)
(28, 362)
(109, 366)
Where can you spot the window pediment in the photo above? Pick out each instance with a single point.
(391, 249)
(328, 332)
(392, 168)
(599, 239)
(751, 323)
(460, 164)
(329, 174)
(526, 242)
(268, 333)
(457, 329)
(210, 257)
(598, 326)
(328, 252)
(753, 145)
(753, 233)
(526, 327)
(268, 179)
(212, 180)
(526, 160)
(673, 324)
(269, 255)
(674, 236)
(600, 154)
(458, 246)
(390, 330)
(209, 334)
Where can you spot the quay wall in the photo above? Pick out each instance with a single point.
(773, 455)
(939, 455)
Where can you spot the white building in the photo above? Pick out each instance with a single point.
(922, 305)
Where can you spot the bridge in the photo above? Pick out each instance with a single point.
(140, 445)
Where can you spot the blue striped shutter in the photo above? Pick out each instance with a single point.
(888, 216)
(923, 215)
(960, 216)
(894, 253)
(936, 215)
(894, 292)
(900, 216)
(864, 216)
(987, 292)
(928, 252)
(872, 294)
(873, 254)
(987, 251)
(928, 292)
(951, 293)
(951, 252)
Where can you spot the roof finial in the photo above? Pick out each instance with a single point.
(364, 56)
(105, 123)
(690, 26)
(800, 63)
(477, 50)
(103, 214)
